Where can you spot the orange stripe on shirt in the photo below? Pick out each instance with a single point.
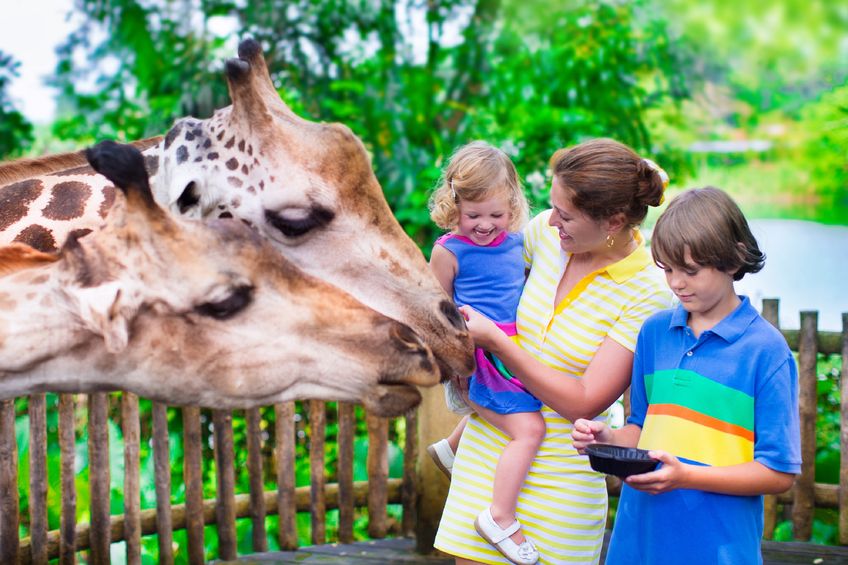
(699, 418)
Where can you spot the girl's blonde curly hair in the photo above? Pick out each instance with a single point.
(475, 172)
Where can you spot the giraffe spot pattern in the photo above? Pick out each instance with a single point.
(172, 135)
(67, 201)
(212, 156)
(15, 200)
(182, 154)
(151, 163)
(232, 164)
(235, 181)
(37, 237)
(108, 200)
(230, 143)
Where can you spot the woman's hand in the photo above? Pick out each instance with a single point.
(585, 432)
(671, 475)
(483, 330)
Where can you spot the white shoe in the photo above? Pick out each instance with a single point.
(442, 455)
(524, 553)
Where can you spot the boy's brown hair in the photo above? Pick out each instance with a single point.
(710, 224)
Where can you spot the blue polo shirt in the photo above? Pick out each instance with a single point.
(728, 397)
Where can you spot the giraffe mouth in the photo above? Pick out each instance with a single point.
(391, 400)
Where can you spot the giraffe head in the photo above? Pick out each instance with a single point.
(192, 313)
(309, 188)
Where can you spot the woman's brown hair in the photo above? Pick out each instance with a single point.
(605, 177)
(708, 223)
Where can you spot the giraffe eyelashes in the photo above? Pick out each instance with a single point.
(228, 307)
(316, 217)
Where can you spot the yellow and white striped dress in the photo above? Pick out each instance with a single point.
(562, 506)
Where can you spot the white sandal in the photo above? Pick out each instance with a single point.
(524, 553)
(442, 455)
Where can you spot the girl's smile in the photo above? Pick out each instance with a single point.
(483, 221)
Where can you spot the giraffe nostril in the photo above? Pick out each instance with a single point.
(452, 314)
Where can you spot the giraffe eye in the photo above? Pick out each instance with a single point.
(228, 307)
(301, 224)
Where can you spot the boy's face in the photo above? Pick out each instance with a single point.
(705, 292)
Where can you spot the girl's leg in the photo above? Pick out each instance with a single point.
(456, 434)
(527, 431)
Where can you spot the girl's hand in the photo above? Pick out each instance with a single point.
(585, 432)
(671, 475)
(482, 329)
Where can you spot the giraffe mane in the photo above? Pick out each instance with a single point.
(18, 256)
(25, 168)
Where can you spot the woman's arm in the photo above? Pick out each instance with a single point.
(745, 479)
(444, 265)
(604, 380)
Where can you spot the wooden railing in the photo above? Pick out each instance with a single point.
(421, 500)
(96, 536)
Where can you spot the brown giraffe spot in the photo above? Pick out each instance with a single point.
(220, 136)
(108, 200)
(172, 135)
(207, 144)
(230, 142)
(250, 150)
(251, 190)
(182, 154)
(37, 237)
(244, 169)
(67, 201)
(15, 200)
(241, 146)
(232, 164)
(212, 156)
(262, 185)
(78, 233)
(151, 163)
(189, 136)
(40, 279)
(235, 181)
(235, 202)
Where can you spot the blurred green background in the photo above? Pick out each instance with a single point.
(749, 96)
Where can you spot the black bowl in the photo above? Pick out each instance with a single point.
(619, 461)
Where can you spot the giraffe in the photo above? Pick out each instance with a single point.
(190, 312)
(307, 187)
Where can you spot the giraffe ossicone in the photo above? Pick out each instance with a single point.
(306, 187)
(190, 312)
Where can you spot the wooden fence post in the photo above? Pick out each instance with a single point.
(256, 477)
(99, 477)
(347, 428)
(771, 314)
(225, 511)
(132, 493)
(68, 520)
(378, 474)
(38, 478)
(193, 480)
(804, 498)
(285, 439)
(435, 422)
(317, 427)
(162, 474)
(9, 505)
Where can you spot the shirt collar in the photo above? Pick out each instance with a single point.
(730, 328)
(622, 270)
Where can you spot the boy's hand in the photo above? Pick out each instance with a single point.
(671, 475)
(585, 432)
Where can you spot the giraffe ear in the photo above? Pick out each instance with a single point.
(103, 310)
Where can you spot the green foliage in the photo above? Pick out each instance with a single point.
(16, 134)
(413, 81)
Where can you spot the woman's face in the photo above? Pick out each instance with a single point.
(577, 232)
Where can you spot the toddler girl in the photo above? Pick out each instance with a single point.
(480, 263)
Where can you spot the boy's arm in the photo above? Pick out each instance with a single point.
(745, 479)
(444, 266)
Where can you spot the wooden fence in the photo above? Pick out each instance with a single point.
(421, 500)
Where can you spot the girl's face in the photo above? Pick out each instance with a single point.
(484, 220)
(578, 233)
(705, 292)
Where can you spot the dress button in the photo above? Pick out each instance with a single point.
(688, 354)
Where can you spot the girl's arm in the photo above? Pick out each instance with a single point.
(606, 377)
(444, 266)
(745, 479)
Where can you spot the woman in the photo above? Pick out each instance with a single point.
(591, 285)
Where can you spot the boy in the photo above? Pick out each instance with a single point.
(714, 397)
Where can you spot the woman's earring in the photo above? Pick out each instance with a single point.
(610, 240)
